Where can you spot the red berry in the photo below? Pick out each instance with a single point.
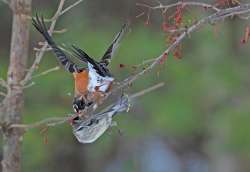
(121, 65)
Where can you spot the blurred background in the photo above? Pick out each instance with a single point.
(199, 121)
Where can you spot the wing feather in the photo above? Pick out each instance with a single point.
(61, 56)
(100, 69)
(114, 45)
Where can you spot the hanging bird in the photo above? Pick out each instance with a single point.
(89, 130)
(91, 83)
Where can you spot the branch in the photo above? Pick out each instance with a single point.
(3, 83)
(40, 74)
(60, 14)
(49, 122)
(166, 7)
(53, 121)
(46, 72)
(3, 94)
(212, 19)
(70, 7)
(147, 90)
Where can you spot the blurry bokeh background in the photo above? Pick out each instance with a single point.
(198, 122)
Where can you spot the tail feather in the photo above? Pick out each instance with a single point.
(61, 56)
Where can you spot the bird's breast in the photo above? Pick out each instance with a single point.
(86, 81)
(81, 81)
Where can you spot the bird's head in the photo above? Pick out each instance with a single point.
(88, 131)
(80, 104)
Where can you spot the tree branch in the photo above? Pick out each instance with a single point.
(211, 19)
(166, 7)
(70, 7)
(47, 72)
(3, 94)
(49, 122)
(3, 83)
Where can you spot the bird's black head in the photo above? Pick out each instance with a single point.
(80, 104)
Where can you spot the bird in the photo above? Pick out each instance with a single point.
(93, 82)
(90, 129)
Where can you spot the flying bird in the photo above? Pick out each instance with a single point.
(93, 82)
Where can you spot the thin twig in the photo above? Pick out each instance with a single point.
(244, 17)
(147, 90)
(3, 83)
(63, 11)
(62, 47)
(49, 122)
(166, 7)
(3, 94)
(60, 31)
(29, 85)
(70, 7)
(41, 74)
(47, 71)
(144, 62)
(39, 49)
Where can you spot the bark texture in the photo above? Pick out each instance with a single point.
(13, 104)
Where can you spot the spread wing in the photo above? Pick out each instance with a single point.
(99, 69)
(61, 56)
(80, 54)
(114, 45)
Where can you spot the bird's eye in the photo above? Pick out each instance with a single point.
(79, 104)
(80, 128)
(81, 70)
(75, 107)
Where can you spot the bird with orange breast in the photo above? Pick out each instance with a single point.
(91, 83)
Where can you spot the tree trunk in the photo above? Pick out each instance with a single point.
(13, 104)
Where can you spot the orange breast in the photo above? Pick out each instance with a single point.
(81, 82)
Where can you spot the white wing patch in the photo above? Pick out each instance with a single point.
(98, 81)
